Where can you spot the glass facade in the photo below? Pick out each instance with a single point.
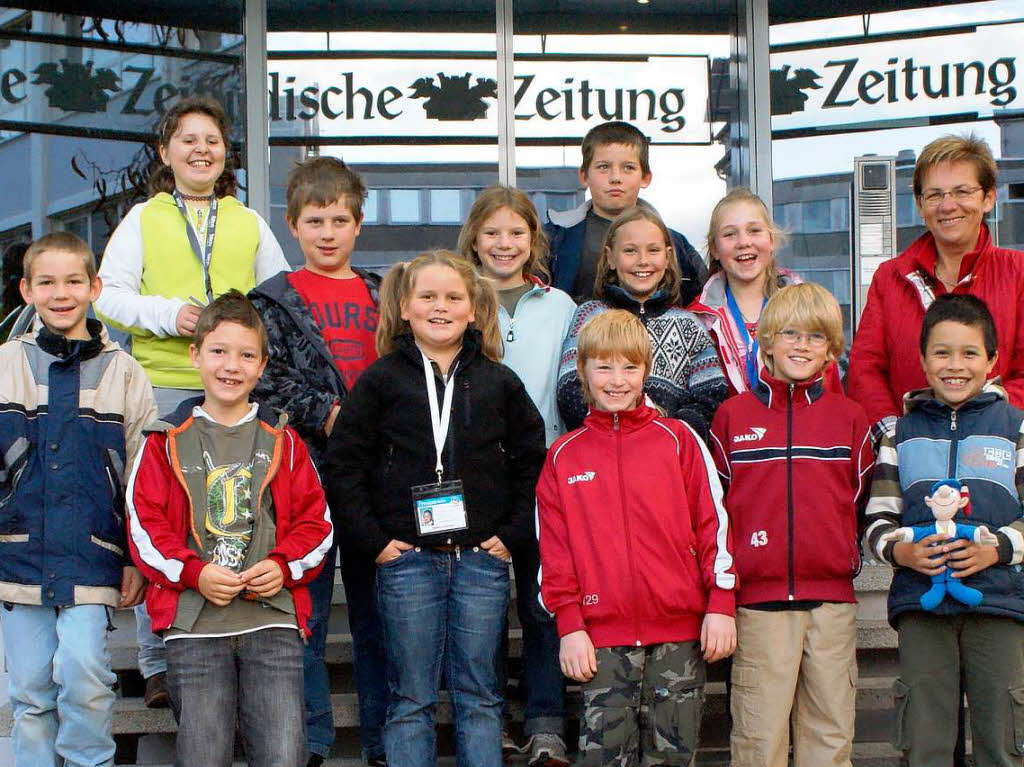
(886, 84)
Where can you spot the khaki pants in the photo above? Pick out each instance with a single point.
(799, 668)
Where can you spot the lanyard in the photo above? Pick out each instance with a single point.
(439, 420)
(203, 254)
(749, 342)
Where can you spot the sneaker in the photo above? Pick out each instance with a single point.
(547, 750)
(315, 760)
(156, 691)
(508, 745)
(377, 761)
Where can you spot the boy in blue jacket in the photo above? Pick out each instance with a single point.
(72, 409)
(961, 428)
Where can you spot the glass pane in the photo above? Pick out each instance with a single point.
(370, 215)
(661, 67)
(406, 96)
(885, 84)
(80, 98)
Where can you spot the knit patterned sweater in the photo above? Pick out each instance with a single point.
(685, 380)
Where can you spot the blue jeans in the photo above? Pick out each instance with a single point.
(60, 684)
(319, 714)
(252, 679)
(443, 613)
(542, 676)
(359, 574)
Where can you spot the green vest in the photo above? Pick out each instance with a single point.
(171, 269)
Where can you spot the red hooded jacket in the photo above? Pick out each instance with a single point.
(885, 360)
(634, 542)
(160, 518)
(795, 460)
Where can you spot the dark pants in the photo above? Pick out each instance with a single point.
(934, 649)
(443, 613)
(319, 715)
(542, 676)
(253, 680)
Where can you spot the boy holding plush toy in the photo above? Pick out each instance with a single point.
(957, 594)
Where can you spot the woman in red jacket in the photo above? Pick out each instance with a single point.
(955, 186)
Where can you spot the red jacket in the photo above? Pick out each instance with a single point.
(160, 519)
(795, 465)
(634, 542)
(885, 362)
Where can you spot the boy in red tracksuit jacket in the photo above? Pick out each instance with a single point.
(794, 459)
(635, 559)
(228, 521)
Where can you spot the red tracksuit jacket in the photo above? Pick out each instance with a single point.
(634, 541)
(795, 461)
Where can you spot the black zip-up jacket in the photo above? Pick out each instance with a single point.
(301, 378)
(383, 445)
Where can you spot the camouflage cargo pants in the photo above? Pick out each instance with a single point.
(643, 707)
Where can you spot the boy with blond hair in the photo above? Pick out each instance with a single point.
(321, 321)
(641, 583)
(615, 168)
(794, 459)
(72, 409)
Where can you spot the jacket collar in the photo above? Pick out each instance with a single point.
(178, 417)
(627, 420)
(923, 256)
(925, 399)
(618, 297)
(774, 394)
(570, 218)
(63, 347)
(472, 343)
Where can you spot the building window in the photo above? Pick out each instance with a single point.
(906, 211)
(405, 206)
(445, 206)
(371, 207)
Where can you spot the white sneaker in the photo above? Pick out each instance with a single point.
(547, 750)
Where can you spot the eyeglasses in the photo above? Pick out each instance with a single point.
(934, 197)
(791, 337)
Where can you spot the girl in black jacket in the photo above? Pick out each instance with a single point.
(433, 470)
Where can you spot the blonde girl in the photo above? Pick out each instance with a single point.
(741, 243)
(638, 271)
(433, 468)
(503, 238)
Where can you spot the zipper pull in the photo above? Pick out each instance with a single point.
(952, 421)
(511, 335)
(642, 310)
(615, 421)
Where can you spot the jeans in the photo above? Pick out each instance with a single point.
(60, 684)
(255, 678)
(319, 714)
(443, 613)
(359, 574)
(542, 676)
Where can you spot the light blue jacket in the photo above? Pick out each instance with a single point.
(533, 347)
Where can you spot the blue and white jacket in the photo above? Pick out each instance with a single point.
(532, 340)
(982, 444)
(71, 416)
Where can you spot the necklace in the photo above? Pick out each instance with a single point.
(949, 285)
(195, 197)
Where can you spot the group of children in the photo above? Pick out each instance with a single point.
(418, 426)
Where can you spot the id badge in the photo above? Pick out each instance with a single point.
(439, 508)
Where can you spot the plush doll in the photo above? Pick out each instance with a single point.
(947, 498)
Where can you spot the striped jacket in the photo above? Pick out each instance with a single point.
(795, 461)
(981, 444)
(71, 416)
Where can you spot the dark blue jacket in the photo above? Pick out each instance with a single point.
(565, 231)
(982, 445)
(71, 415)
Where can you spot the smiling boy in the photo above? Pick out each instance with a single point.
(72, 409)
(961, 429)
(228, 520)
(615, 168)
(641, 583)
(794, 460)
(320, 322)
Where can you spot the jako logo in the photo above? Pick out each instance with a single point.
(584, 477)
(756, 432)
